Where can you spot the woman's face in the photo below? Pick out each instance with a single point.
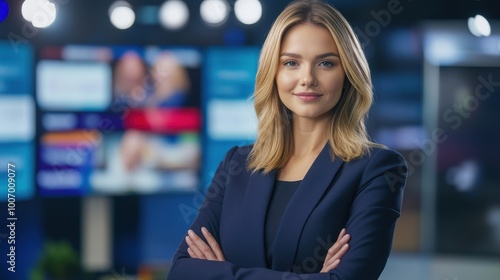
(310, 75)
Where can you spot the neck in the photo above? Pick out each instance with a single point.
(309, 135)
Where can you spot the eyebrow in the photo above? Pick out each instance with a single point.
(294, 55)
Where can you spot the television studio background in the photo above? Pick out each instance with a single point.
(115, 114)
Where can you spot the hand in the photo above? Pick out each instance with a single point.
(336, 252)
(198, 249)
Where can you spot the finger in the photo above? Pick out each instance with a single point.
(202, 246)
(337, 246)
(213, 244)
(191, 254)
(341, 252)
(196, 253)
(341, 234)
(338, 256)
(327, 268)
(338, 249)
(331, 266)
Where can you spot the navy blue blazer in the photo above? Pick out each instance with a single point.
(363, 195)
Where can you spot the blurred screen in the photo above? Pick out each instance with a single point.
(468, 182)
(17, 120)
(60, 85)
(118, 120)
(229, 83)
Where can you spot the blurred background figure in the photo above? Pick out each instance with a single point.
(171, 82)
(165, 88)
(130, 78)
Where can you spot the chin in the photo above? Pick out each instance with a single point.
(311, 115)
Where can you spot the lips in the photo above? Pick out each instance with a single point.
(308, 96)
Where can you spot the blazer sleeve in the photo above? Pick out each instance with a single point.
(208, 216)
(373, 215)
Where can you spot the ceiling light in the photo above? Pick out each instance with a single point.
(214, 12)
(174, 14)
(248, 11)
(471, 23)
(483, 26)
(479, 26)
(121, 15)
(41, 13)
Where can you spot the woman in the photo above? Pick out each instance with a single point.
(276, 207)
(171, 82)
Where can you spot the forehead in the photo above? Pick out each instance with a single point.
(308, 37)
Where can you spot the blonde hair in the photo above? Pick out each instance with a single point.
(347, 133)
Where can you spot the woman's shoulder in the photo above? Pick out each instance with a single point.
(384, 152)
(238, 153)
(244, 150)
(384, 161)
(235, 159)
(380, 155)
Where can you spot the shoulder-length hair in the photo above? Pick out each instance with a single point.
(347, 133)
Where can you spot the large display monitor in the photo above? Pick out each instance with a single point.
(118, 120)
(468, 155)
(17, 122)
(228, 86)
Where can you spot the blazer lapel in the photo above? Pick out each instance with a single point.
(310, 191)
(257, 197)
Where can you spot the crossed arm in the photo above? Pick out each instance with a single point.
(371, 224)
(210, 250)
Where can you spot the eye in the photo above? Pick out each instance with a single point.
(290, 63)
(326, 63)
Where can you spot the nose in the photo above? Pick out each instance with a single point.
(308, 77)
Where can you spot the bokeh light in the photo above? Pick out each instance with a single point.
(121, 15)
(479, 26)
(214, 12)
(248, 11)
(4, 10)
(41, 13)
(174, 14)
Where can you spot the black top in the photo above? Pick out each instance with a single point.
(282, 193)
